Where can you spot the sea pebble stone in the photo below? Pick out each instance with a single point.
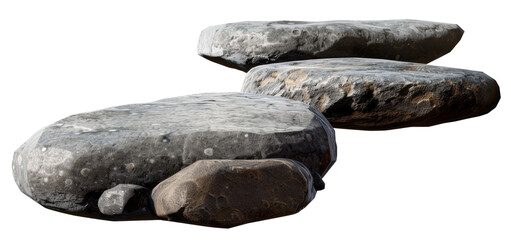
(373, 94)
(227, 193)
(75, 169)
(244, 45)
(128, 199)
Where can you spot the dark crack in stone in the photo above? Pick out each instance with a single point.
(244, 45)
(67, 165)
(375, 94)
(227, 193)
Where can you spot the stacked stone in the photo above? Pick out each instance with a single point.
(216, 159)
(349, 69)
(225, 159)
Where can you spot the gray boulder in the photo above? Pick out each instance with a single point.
(374, 94)
(227, 193)
(68, 165)
(244, 45)
(125, 199)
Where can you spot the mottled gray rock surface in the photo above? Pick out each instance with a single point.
(244, 45)
(373, 94)
(125, 199)
(227, 193)
(66, 166)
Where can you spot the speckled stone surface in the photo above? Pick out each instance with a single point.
(374, 94)
(67, 165)
(227, 193)
(244, 45)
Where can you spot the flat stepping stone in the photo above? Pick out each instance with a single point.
(227, 193)
(375, 94)
(244, 45)
(68, 165)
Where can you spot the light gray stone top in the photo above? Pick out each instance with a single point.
(200, 112)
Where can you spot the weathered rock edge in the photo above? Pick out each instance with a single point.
(376, 94)
(244, 45)
(228, 193)
(67, 165)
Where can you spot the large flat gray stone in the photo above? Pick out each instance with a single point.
(372, 94)
(244, 45)
(227, 193)
(67, 166)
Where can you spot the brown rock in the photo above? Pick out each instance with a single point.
(227, 193)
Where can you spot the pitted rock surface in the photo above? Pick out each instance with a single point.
(125, 199)
(244, 45)
(374, 94)
(67, 165)
(227, 193)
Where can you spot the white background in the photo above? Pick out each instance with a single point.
(450, 181)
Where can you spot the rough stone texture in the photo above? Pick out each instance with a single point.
(244, 45)
(125, 199)
(227, 193)
(66, 166)
(376, 94)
